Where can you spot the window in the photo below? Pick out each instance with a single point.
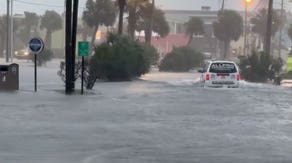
(223, 68)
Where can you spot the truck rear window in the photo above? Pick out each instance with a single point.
(223, 68)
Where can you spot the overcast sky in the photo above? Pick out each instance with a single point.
(40, 6)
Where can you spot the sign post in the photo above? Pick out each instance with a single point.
(83, 51)
(36, 46)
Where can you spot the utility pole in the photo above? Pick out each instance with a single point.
(281, 27)
(7, 33)
(218, 42)
(11, 33)
(245, 29)
(74, 34)
(245, 48)
(71, 30)
(223, 5)
(68, 53)
(269, 29)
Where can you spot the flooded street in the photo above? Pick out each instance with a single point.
(153, 63)
(163, 117)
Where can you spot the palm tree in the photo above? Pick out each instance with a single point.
(3, 31)
(260, 23)
(149, 28)
(195, 26)
(30, 24)
(121, 4)
(51, 21)
(132, 5)
(290, 32)
(228, 27)
(159, 23)
(134, 9)
(99, 12)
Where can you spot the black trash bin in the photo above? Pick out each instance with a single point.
(9, 77)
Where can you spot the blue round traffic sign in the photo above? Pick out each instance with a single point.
(36, 45)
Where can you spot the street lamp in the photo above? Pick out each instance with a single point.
(246, 3)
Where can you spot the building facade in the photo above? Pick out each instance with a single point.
(206, 43)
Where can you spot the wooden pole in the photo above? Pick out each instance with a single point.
(68, 55)
(269, 28)
(8, 31)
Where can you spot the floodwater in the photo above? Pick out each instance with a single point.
(160, 118)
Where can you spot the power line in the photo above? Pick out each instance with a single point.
(37, 4)
(258, 5)
(41, 4)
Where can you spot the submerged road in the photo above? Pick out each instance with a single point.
(162, 118)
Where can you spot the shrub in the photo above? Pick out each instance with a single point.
(181, 59)
(45, 56)
(151, 54)
(119, 59)
(259, 67)
(287, 75)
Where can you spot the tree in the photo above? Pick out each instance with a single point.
(259, 67)
(150, 53)
(290, 31)
(195, 26)
(28, 26)
(85, 31)
(119, 59)
(134, 9)
(45, 56)
(159, 26)
(3, 32)
(260, 24)
(121, 4)
(99, 12)
(228, 27)
(181, 59)
(51, 21)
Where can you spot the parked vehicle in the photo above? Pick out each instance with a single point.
(22, 54)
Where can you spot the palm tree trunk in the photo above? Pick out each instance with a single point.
(226, 49)
(122, 4)
(263, 42)
(93, 37)
(132, 22)
(84, 36)
(48, 39)
(259, 42)
(190, 39)
(148, 31)
(148, 35)
(2, 47)
(35, 32)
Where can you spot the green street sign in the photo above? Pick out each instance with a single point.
(83, 49)
(289, 64)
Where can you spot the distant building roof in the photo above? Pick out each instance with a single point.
(192, 12)
(182, 16)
